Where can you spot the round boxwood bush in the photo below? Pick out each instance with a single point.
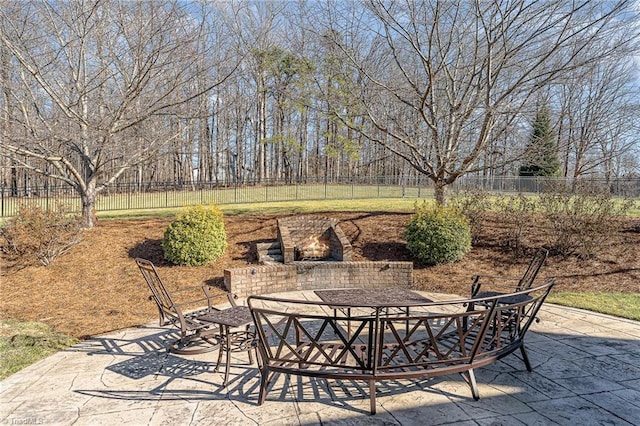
(196, 237)
(437, 234)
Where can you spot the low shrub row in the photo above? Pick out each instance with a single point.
(571, 220)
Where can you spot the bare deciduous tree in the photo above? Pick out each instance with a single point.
(102, 86)
(596, 118)
(99, 93)
(445, 79)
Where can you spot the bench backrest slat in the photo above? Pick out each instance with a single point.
(316, 339)
(312, 339)
(432, 340)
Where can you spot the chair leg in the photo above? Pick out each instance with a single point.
(470, 378)
(525, 358)
(222, 348)
(258, 359)
(181, 346)
(250, 350)
(372, 397)
(264, 383)
(228, 358)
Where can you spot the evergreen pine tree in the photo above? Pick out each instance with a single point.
(542, 151)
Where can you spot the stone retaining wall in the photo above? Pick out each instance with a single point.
(312, 275)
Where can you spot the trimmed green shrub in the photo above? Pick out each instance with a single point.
(196, 237)
(437, 234)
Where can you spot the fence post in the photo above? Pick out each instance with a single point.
(325, 187)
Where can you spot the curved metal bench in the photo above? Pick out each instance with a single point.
(439, 338)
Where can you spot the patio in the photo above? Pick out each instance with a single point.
(586, 371)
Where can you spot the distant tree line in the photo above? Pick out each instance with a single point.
(103, 91)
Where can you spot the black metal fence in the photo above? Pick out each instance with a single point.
(128, 196)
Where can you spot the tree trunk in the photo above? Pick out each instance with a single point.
(440, 192)
(88, 197)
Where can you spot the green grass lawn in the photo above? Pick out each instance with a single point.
(23, 343)
(617, 304)
(310, 206)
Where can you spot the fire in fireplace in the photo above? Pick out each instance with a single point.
(314, 248)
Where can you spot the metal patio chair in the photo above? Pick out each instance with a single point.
(193, 329)
(205, 329)
(496, 288)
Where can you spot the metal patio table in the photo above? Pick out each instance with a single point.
(397, 297)
(236, 316)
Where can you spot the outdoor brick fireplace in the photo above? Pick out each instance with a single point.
(312, 253)
(312, 239)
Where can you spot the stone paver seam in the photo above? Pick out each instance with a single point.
(613, 414)
(389, 413)
(460, 403)
(551, 360)
(633, 401)
(614, 393)
(157, 405)
(553, 381)
(77, 419)
(79, 409)
(549, 421)
(104, 371)
(244, 414)
(193, 413)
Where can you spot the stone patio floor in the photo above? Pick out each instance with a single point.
(586, 372)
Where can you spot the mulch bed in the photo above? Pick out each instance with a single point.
(96, 287)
